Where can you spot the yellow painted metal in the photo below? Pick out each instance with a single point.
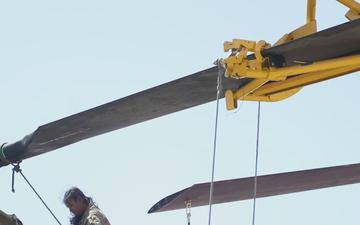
(239, 66)
(309, 28)
(249, 88)
(354, 9)
(238, 61)
(244, 93)
(329, 64)
(311, 8)
(239, 44)
(351, 15)
(276, 91)
(274, 84)
(276, 74)
(232, 97)
(302, 31)
(303, 80)
(292, 79)
(274, 97)
(351, 4)
(231, 102)
(240, 49)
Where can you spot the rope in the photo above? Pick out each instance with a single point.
(18, 170)
(220, 74)
(15, 169)
(188, 212)
(256, 163)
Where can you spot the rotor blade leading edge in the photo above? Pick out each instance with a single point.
(267, 185)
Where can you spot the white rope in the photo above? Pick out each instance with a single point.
(220, 74)
(188, 211)
(256, 163)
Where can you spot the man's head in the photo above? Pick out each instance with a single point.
(76, 201)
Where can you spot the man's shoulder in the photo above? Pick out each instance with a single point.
(96, 216)
(93, 209)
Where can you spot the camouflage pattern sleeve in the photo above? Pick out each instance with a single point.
(96, 217)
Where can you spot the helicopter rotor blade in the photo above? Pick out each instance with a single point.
(180, 94)
(186, 92)
(267, 185)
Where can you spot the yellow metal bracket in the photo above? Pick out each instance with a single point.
(240, 65)
(354, 9)
(270, 83)
(261, 89)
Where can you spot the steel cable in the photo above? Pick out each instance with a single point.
(220, 74)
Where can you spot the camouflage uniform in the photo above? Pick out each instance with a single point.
(93, 216)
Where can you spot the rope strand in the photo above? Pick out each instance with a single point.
(18, 170)
(256, 163)
(220, 74)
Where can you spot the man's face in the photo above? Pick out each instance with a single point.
(77, 207)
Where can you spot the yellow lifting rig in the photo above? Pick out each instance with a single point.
(271, 83)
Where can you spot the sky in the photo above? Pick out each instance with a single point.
(62, 57)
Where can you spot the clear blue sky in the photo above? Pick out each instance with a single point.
(61, 57)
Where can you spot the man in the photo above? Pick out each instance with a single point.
(84, 211)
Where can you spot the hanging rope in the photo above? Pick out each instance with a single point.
(188, 212)
(256, 163)
(219, 79)
(16, 168)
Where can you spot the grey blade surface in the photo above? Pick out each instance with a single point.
(186, 92)
(267, 185)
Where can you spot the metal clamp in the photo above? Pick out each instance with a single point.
(241, 63)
